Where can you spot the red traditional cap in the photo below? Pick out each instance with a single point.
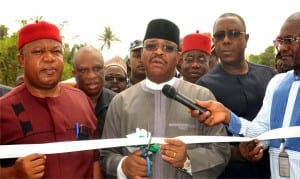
(36, 31)
(196, 41)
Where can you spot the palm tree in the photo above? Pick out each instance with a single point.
(108, 37)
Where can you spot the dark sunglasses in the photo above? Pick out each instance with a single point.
(118, 78)
(155, 46)
(231, 34)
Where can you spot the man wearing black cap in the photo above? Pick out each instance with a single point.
(144, 106)
(137, 72)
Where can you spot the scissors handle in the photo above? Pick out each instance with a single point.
(147, 157)
(148, 166)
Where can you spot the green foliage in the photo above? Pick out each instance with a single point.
(253, 58)
(9, 66)
(68, 59)
(30, 20)
(3, 32)
(67, 53)
(67, 73)
(265, 58)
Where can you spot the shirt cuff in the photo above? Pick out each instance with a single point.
(120, 172)
(234, 125)
(187, 166)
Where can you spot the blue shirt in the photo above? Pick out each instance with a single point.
(263, 120)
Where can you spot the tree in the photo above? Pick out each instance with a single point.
(265, 58)
(30, 20)
(9, 66)
(67, 73)
(68, 59)
(3, 32)
(108, 38)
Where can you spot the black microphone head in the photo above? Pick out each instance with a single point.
(169, 91)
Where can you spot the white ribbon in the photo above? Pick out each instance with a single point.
(20, 150)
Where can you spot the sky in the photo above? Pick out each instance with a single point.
(128, 19)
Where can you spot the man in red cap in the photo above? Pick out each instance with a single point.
(195, 56)
(42, 110)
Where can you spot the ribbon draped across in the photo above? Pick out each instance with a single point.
(20, 150)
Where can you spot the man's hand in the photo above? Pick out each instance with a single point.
(251, 151)
(216, 113)
(135, 166)
(30, 166)
(174, 152)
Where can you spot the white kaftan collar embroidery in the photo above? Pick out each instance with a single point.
(155, 86)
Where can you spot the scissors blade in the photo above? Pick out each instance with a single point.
(149, 142)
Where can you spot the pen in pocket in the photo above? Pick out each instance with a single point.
(77, 130)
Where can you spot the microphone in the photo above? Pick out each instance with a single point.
(170, 92)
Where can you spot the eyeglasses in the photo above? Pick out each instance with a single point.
(199, 60)
(231, 34)
(287, 40)
(118, 78)
(155, 46)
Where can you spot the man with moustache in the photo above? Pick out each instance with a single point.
(137, 72)
(145, 106)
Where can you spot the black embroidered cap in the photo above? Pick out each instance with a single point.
(163, 29)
